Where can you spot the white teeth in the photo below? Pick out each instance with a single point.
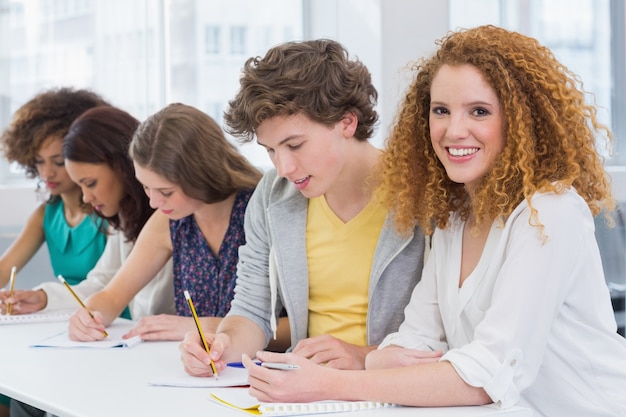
(462, 151)
(301, 181)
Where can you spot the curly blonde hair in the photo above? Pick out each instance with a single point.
(550, 134)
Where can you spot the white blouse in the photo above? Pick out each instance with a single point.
(533, 323)
(157, 297)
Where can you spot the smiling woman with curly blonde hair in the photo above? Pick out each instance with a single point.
(550, 135)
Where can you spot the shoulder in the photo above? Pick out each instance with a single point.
(565, 210)
(567, 202)
(273, 188)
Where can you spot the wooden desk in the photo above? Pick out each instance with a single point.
(113, 382)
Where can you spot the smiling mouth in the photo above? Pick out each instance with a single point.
(462, 151)
(300, 181)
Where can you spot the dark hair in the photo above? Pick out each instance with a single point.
(48, 114)
(188, 148)
(315, 78)
(102, 136)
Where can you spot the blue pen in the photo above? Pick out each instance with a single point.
(270, 365)
(235, 365)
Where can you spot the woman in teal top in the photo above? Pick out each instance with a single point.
(75, 238)
(73, 250)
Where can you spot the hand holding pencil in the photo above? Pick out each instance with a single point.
(11, 289)
(200, 332)
(75, 315)
(7, 307)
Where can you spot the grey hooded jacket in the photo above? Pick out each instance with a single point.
(276, 221)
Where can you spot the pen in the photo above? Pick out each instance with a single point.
(280, 365)
(11, 289)
(270, 365)
(197, 321)
(60, 277)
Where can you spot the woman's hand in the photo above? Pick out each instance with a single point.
(23, 301)
(84, 328)
(309, 383)
(162, 327)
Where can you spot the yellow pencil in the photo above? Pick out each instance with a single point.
(11, 289)
(204, 342)
(60, 277)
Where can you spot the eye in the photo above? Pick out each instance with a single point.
(39, 162)
(295, 147)
(91, 184)
(166, 193)
(439, 110)
(480, 112)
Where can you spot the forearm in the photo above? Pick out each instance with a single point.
(427, 385)
(245, 337)
(59, 298)
(210, 324)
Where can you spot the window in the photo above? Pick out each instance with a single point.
(586, 35)
(238, 44)
(212, 40)
(139, 55)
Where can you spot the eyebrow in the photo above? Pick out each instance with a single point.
(282, 142)
(471, 103)
(51, 156)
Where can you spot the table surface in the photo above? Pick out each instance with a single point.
(106, 382)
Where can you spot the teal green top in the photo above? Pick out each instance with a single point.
(74, 251)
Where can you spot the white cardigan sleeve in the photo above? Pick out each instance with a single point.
(115, 251)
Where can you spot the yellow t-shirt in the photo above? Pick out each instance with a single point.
(339, 257)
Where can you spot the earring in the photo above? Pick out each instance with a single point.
(41, 192)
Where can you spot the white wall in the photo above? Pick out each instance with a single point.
(386, 39)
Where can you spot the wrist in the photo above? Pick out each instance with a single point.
(42, 299)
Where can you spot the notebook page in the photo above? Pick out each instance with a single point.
(119, 328)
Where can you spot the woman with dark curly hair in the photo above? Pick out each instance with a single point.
(75, 237)
(494, 150)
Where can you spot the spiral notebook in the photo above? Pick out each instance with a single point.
(239, 399)
(49, 317)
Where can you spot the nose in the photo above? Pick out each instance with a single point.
(457, 127)
(284, 164)
(153, 198)
(46, 170)
(87, 196)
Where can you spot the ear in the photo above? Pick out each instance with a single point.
(349, 124)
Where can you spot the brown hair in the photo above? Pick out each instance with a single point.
(188, 148)
(102, 135)
(315, 78)
(550, 135)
